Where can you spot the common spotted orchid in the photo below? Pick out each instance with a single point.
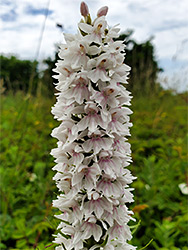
(93, 153)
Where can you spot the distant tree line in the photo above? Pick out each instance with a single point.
(24, 75)
(144, 66)
(17, 74)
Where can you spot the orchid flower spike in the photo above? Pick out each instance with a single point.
(93, 153)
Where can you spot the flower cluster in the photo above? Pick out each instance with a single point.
(93, 152)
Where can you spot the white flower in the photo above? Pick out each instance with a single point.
(64, 131)
(90, 228)
(98, 206)
(79, 91)
(76, 54)
(92, 119)
(113, 51)
(184, 188)
(110, 188)
(96, 143)
(63, 182)
(92, 153)
(120, 123)
(122, 232)
(59, 240)
(110, 165)
(105, 97)
(87, 175)
(112, 33)
(99, 69)
(115, 245)
(119, 74)
(96, 32)
(77, 158)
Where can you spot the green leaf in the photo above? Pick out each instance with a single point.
(20, 224)
(146, 245)
(2, 246)
(135, 227)
(18, 235)
(105, 241)
(21, 244)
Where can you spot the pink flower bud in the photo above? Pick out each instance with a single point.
(102, 11)
(84, 9)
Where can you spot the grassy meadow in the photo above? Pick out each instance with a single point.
(158, 142)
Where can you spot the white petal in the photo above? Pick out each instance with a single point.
(82, 124)
(87, 146)
(93, 50)
(85, 27)
(184, 188)
(97, 232)
(99, 211)
(77, 177)
(94, 247)
(93, 124)
(103, 75)
(94, 75)
(88, 184)
(77, 159)
(109, 247)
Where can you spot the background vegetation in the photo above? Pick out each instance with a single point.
(158, 141)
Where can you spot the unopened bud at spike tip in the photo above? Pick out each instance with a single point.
(84, 9)
(102, 11)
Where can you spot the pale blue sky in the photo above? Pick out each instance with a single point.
(167, 21)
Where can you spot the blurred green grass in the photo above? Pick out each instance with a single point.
(158, 142)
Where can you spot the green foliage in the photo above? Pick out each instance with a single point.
(26, 185)
(159, 162)
(18, 74)
(144, 66)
